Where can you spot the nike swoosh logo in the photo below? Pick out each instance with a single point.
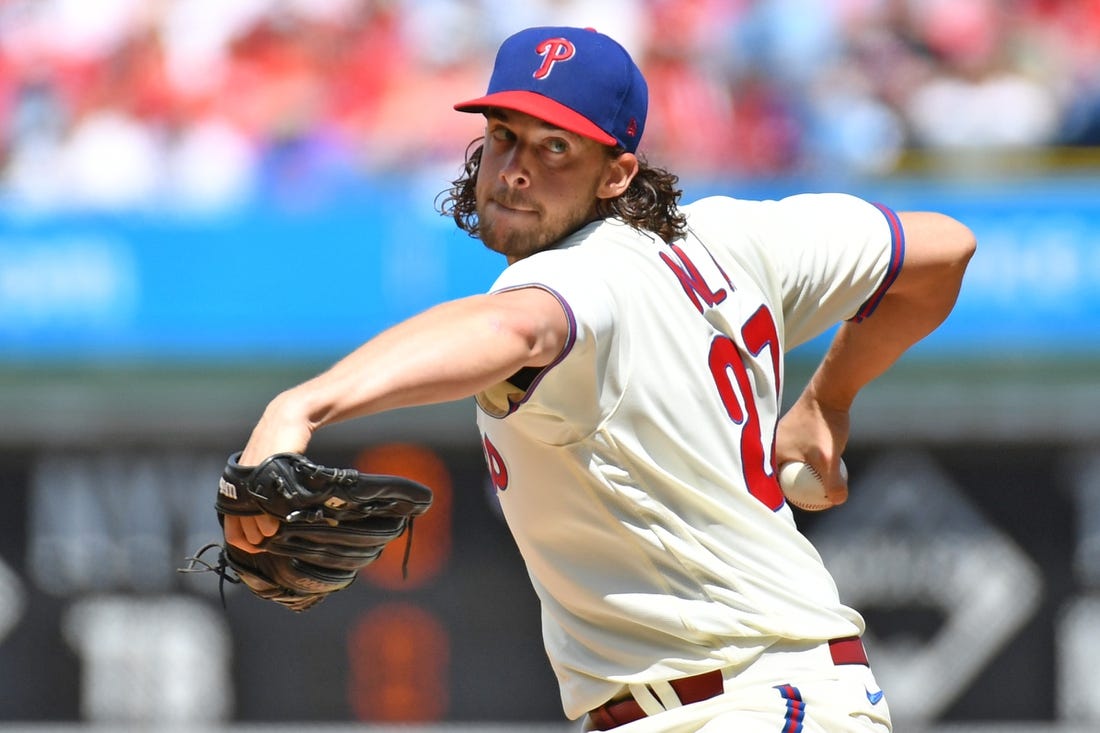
(875, 697)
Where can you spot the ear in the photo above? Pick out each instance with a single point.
(618, 175)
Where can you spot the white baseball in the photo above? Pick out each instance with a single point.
(803, 487)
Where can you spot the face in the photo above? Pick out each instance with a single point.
(537, 183)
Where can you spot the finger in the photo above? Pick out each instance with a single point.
(267, 525)
(836, 490)
(237, 535)
(837, 494)
(251, 528)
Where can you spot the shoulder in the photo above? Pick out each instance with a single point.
(713, 206)
(718, 206)
(726, 216)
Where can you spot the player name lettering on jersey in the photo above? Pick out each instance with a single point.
(695, 286)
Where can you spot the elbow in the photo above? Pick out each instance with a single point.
(938, 251)
(938, 241)
(956, 248)
(952, 242)
(965, 245)
(963, 248)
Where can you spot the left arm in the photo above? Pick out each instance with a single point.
(815, 430)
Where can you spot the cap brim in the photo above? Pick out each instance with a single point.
(544, 108)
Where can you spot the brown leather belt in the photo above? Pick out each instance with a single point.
(704, 686)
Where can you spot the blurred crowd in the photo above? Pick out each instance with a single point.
(117, 103)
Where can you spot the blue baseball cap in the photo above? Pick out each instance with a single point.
(573, 78)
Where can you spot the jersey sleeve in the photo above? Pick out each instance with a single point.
(590, 312)
(830, 257)
(577, 286)
(838, 257)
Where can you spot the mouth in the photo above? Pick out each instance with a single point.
(515, 207)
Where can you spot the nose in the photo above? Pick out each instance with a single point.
(514, 172)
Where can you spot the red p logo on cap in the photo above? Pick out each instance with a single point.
(552, 51)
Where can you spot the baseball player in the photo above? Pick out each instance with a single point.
(628, 372)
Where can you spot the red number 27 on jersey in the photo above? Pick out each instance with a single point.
(731, 377)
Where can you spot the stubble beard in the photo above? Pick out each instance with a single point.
(518, 243)
(515, 244)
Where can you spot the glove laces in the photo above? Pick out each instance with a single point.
(408, 550)
(196, 564)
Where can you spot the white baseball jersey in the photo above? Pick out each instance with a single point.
(636, 471)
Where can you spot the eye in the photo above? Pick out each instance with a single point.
(557, 145)
(503, 134)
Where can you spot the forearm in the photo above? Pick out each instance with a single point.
(861, 352)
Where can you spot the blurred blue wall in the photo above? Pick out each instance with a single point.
(313, 281)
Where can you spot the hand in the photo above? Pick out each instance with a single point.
(814, 434)
(272, 434)
(248, 532)
(283, 428)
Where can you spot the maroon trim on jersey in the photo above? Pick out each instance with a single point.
(570, 340)
(897, 256)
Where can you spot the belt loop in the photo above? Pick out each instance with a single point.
(655, 698)
(647, 699)
(665, 694)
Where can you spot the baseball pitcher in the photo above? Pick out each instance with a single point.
(628, 373)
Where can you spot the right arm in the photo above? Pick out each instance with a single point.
(449, 352)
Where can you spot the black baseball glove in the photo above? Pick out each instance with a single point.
(332, 523)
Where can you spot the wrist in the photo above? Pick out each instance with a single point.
(284, 427)
(828, 395)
